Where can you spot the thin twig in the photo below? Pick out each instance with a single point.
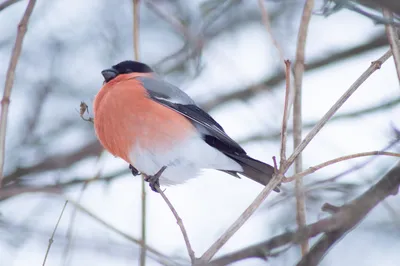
(175, 23)
(297, 115)
(277, 179)
(180, 224)
(51, 240)
(136, 28)
(354, 168)
(337, 160)
(136, 21)
(267, 24)
(371, 69)
(343, 218)
(394, 41)
(352, 213)
(353, 114)
(271, 82)
(96, 176)
(285, 116)
(5, 102)
(53, 162)
(144, 218)
(264, 249)
(11, 191)
(8, 3)
(209, 254)
(289, 88)
(164, 258)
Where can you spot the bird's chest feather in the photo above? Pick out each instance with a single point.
(126, 119)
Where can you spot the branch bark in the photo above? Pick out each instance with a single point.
(353, 213)
(394, 41)
(374, 66)
(334, 227)
(297, 115)
(8, 3)
(5, 102)
(55, 162)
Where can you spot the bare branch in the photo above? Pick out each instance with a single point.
(55, 162)
(136, 28)
(5, 102)
(393, 37)
(374, 66)
(267, 24)
(180, 224)
(344, 218)
(285, 116)
(8, 192)
(159, 255)
(209, 254)
(75, 210)
(369, 110)
(265, 249)
(279, 77)
(176, 25)
(8, 3)
(51, 240)
(337, 160)
(353, 213)
(297, 115)
(136, 25)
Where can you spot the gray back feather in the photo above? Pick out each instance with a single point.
(160, 89)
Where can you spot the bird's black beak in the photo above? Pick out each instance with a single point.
(109, 74)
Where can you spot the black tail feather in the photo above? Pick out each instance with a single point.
(254, 169)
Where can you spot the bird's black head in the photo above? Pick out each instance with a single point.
(125, 67)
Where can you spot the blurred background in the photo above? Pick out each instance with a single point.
(221, 54)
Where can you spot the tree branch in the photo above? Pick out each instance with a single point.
(180, 224)
(337, 160)
(51, 240)
(8, 3)
(369, 110)
(276, 180)
(374, 66)
(279, 77)
(5, 102)
(342, 221)
(353, 213)
(159, 255)
(393, 37)
(55, 162)
(297, 115)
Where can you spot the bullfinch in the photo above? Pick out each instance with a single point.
(161, 132)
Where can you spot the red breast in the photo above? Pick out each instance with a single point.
(125, 116)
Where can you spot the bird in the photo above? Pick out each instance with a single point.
(162, 133)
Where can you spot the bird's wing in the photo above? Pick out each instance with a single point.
(212, 132)
(177, 100)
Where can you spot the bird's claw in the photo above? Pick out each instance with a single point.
(135, 172)
(154, 180)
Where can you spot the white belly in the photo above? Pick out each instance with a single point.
(183, 161)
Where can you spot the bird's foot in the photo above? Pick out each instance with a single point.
(135, 172)
(154, 180)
